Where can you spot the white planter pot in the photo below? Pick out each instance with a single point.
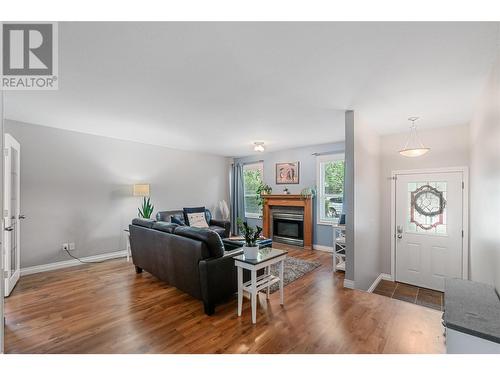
(251, 252)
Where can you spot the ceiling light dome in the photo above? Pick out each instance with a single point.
(259, 146)
(413, 146)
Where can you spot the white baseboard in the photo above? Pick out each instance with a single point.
(348, 284)
(72, 262)
(328, 249)
(382, 276)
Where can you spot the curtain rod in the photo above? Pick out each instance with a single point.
(253, 162)
(250, 162)
(326, 153)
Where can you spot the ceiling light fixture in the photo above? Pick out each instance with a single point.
(259, 146)
(413, 146)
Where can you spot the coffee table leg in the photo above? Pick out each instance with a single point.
(282, 271)
(254, 296)
(268, 272)
(240, 289)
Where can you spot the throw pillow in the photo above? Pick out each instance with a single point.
(177, 220)
(191, 210)
(197, 220)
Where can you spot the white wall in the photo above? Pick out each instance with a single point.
(78, 188)
(485, 185)
(449, 148)
(366, 204)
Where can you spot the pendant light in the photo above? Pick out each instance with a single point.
(259, 146)
(413, 146)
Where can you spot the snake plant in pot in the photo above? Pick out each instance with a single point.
(146, 210)
(251, 249)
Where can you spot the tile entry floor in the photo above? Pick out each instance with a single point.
(409, 293)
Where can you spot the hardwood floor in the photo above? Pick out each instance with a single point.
(107, 308)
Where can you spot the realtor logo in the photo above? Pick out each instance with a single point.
(29, 56)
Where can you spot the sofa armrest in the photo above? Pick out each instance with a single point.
(218, 279)
(223, 224)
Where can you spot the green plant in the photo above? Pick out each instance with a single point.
(146, 210)
(309, 192)
(251, 235)
(262, 189)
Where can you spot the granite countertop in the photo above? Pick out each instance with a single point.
(472, 308)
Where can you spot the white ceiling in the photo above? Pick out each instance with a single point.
(217, 87)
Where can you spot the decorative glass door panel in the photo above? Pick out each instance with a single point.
(427, 207)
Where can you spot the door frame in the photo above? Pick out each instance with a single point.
(465, 213)
(14, 143)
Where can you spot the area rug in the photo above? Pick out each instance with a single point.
(294, 269)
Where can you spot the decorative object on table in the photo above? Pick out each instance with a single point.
(224, 210)
(308, 192)
(342, 219)
(413, 146)
(286, 191)
(146, 209)
(287, 173)
(251, 235)
(195, 217)
(263, 189)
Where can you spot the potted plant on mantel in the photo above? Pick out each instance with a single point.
(251, 249)
(263, 189)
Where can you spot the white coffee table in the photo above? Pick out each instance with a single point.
(266, 257)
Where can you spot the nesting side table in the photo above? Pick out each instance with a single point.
(265, 258)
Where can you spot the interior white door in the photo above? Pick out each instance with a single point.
(429, 228)
(12, 213)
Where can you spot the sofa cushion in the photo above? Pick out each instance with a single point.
(164, 226)
(211, 239)
(219, 230)
(148, 223)
(177, 219)
(195, 217)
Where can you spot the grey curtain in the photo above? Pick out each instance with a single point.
(237, 196)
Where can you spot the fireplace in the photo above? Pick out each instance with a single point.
(288, 218)
(288, 225)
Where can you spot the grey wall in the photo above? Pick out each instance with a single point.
(349, 194)
(485, 185)
(322, 234)
(449, 148)
(78, 188)
(1, 239)
(366, 204)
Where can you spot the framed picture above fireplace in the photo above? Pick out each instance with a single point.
(287, 173)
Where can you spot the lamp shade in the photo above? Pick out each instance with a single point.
(141, 190)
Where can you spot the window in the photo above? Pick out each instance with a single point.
(330, 188)
(252, 178)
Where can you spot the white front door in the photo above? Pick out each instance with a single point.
(12, 213)
(429, 228)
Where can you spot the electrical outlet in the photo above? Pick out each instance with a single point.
(65, 246)
(72, 246)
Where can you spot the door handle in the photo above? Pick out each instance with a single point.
(22, 217)
(399, 231)
(9, 229)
